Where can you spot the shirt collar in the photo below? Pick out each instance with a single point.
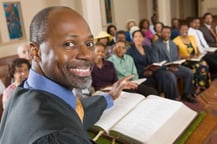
(166, 41)
(208, 26)
(39, 82)
(120, 59)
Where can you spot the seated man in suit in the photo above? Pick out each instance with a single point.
(165, 49)
(43, 109)
(208, 31)
(210, 58)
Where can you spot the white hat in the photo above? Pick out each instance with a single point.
(133, 29)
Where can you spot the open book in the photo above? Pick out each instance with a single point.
(178, 62)
(198, 58)
(152, 120)
(138, 81)
(156, 64)
(211, 49)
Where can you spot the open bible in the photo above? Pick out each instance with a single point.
(211, 49)
(136, 119)
(137, 81)
(155, 65)
(196, 59)
(177, 62)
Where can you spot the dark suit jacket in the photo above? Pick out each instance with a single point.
(208, 36)
(160, 51)
(38, 117)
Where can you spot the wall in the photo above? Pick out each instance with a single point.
(91, 11)
(207, 6)
(124, 10)
(28, 10)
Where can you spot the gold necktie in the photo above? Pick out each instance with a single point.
(79, 109)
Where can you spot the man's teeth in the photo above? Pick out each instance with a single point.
(82, 70)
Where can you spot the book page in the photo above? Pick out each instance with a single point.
(155, 65)
(139, 81)
(160, 63)
(211, 49)
(155, 120)
(122, 105)
(178, 62)
(196, 58)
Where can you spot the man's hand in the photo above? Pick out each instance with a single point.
(173, 68)
(121, 84)
(148, 72)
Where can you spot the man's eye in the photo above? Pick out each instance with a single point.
(90, 44)
(69, 44)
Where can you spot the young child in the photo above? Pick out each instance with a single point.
(19, 71)
(103, 73)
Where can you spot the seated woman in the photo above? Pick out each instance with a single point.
(104, 74)
(130, 23)
(188, 49)
(112, 29)
(157, 28)
(19, 71)
(105, 38)
(142, 55)
(144, 26)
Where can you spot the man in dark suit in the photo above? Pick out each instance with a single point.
(165, 49)
(208, 31)
(43, 110)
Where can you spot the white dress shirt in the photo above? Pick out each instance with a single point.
(201, 42)
(2, 87)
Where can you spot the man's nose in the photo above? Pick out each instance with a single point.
(85, 52)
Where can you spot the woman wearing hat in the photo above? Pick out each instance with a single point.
(104, 38)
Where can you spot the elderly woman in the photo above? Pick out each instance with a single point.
(188, 49)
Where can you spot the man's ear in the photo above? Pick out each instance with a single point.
(35, 51)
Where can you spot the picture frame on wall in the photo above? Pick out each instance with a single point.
(13, 17)
(106, 11)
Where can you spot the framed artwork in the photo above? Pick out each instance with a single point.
(14, 20)
(106, 11)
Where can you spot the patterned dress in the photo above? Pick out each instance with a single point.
(200, 69)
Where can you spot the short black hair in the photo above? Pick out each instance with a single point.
(17, 63)
(193, 19)
(166, 27)
(39, 25)
(120, 32)
(143, 21)
(100, 44)
(119, 42)
(206, 14)
(109, 28)
(156, 24)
